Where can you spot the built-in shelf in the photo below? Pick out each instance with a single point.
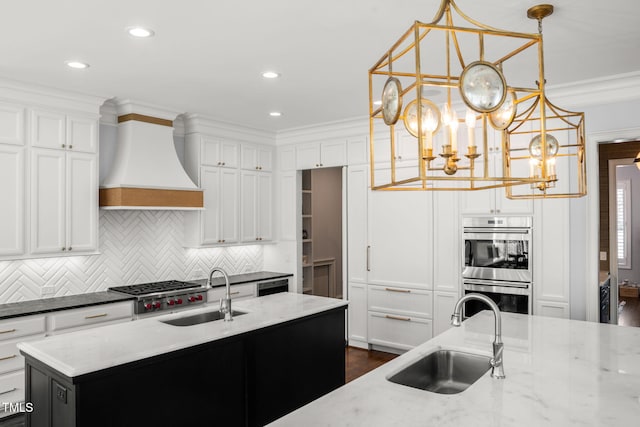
(307, 241)
(307, 265)
(306, 216)
(306, 257)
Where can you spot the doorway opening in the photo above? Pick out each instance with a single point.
(619, 268)
(322, 261)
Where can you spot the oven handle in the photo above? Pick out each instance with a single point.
(497, 230)
(518, 289)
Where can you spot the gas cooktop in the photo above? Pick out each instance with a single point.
(142, 289)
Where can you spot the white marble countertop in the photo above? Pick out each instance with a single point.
(558, 373)
(90, 350)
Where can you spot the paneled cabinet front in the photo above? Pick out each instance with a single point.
(318, 155)
(56, 130)
(64, 206)
(12, 191)
(256, 206)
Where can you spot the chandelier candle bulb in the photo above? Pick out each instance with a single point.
(454, 131)
(470, 120)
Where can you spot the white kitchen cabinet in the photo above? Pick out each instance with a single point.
(494, 201)
(396, 332)
(357, 230)
(358, 151)
(357, 310)
(256, 206)
(238, 292)
(400, 236)
(12, 194)
(13, 331)
(218, 222)
(215, 152)
(400, 300)
(64, 202)
(12, 124)
(321, 155)
(551, 258)
(256, 157)
(56, 130)
(443, 305)
(87, 317)
(447, 236)
(286, 158)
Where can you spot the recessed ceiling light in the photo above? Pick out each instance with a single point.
(275, 114)
(270, 75)
(140, 32)
(77, 64)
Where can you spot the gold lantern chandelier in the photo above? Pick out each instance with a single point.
(471, 68)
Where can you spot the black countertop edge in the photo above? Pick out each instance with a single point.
(47, 305)
(238, 279)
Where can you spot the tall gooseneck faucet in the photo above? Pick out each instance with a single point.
(225, 302)
(497, 369)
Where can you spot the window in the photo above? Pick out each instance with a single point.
(623, 225)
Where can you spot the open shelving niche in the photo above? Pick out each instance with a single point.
(306, 234)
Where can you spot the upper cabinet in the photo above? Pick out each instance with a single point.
(321, 155)
(49, 155)
(55, 130)
(218, 153)
(256, 157)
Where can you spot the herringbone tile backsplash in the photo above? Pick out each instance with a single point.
(135, 247)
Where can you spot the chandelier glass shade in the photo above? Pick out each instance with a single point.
(468, 111)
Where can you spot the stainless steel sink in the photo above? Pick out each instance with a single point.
(195, 319)
(443, 371)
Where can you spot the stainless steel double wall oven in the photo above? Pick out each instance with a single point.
(497, 262)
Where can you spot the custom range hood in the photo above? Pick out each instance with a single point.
(146, 172)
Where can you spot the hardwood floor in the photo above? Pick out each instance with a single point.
(630, 314)
(359, 361)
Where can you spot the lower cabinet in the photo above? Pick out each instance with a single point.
(248, 379)
(443, 305)
(399, 317)
(357, 315)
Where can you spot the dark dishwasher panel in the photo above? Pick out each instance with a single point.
(273, 287)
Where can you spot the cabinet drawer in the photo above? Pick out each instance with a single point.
(21, 326)
(11, 390)
(10, 357)
(401, 332)
(237, 292)
(398, 300)
(90, 315)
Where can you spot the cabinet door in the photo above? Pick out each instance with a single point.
(11, 124)
(229, 154)
(249, 157)
(443, 305)
(333, 153)
(265, 206)
(400, 234)
(265, 159)
(228, 206)
(210, 152)
(447, 236)
(248, 208)
(358, 151)
(357, 249)
(82, 134)
(82, 202)
(48, 201)
(48, 129)
(210, 216)
(307, 156)
(357, 314)
(12, 170)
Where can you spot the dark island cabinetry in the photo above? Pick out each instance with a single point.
(244, 380)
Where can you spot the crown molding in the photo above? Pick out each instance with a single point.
(197, 123)
(48, 97)
(605, 90)
(340, 129)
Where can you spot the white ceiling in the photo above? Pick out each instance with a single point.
(207, 55)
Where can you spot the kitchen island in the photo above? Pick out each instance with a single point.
(558, 373)
(149, 372)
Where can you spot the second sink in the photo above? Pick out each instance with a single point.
(208, 316)
(443, 371)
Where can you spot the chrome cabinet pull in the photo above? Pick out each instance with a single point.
(8, 331)
(13, 356)
(8, 391)
(234, 293)
(368, 258)
(404, 291)
(95, 316)
(405, 319)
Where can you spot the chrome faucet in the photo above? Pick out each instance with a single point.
(225, 301)
(497, 369)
